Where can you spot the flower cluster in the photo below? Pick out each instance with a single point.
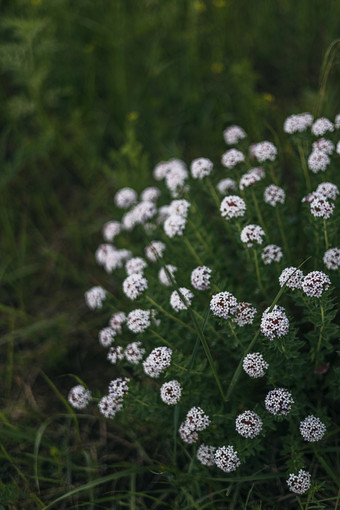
(233, 134)
(138, 320)
(299, 483)
(79, 397)
(274, 195)
(181, 299)
(232, 158)
(315, 284)
(254, 365)
(206, 454)
(291, 277)
(248, 424)
(201, 167)
(223, 304)
(298, 123)
(95, 297)
(275, 323)
(279, 402)
(226, 459)
(134, 285)
(245, 313)
(158, 360)
(331, 258)
(196, 420)
(271, 253)
(232, 206)
(265, 151)
(171, 392)
(312, 429)
(200, 278)
(252, 234)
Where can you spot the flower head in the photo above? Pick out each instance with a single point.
(274, 324)
(299, 483)
(328, 190)
(315, 284)
(187, 435)
(233, 134)
(200, 278)
(248, 424)
(174, 225)
(292, 277)
(181, 301)
(322, 126)
(312, 429)
(331, 258)
(111, 229)
(225, 185)
(206, 455)
(134, 352)
(245, 313)
(138, 320)
(231, 158)
(158, 360)
(252, 234)
(318, 161)
(201, 167)
(167, 273)
(274, 195)
(223, 304)
(271, 253)
(118, 387)
(171, 392)
(155, 250)
(298, 123)
(115, 354)
(144, 211)
(324, 145)
(94, 297)
(321, 207)
(134, 285)
(125, 197)
(251, 177)
(279, 402)
(117, 320)
(197, 419)
(109, 406)
(79, 397)
(232, 206)
(106, 336)
(265, 151)
(179, 208)
(226, 459)
(135, 265)
(150, 194)
(254, 365)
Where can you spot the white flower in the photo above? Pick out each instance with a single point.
(299, 483)
(252, 234)
(324, 145)
(176, 176)
(111, 229)
(134, 352)
(187, 435)
(292, 277)
(163, 213)
(134, 285)
(144, 211)
(197, 419)
(206, 455)
(318, 161)
(320, 207)
(331, 258)
(271, 253)
(179, 207)
(138, 320)
(231, 158)
(158, 360)
(117, 320)
(125, 197)
(109, 406)
(129, 220)
(155, 250)
(225, 185)
(226, 459)
(174, 225)
(201, 167)
(106, 336)
(274, 324)
(79, 397)
(322, 126)
(328, 190)
(115, 354)
(183, 301)
(167, 274)
(315, 284)
(244, 314)
(118, 387)
(161, 170)
(135, 265)
(251, 177)
(200, 278)
(232, 206)
(171, 392)
(297, 123)
(254, 365)
(248, 424)
(279, 402)
(274, 195)
(223, 304)
(150, 194)
(265, 151)
(94, 297)
(233, 134)
(312, 429)
(337, 121)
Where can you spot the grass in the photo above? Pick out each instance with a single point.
(93, 95)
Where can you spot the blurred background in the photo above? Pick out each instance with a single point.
(93, 94)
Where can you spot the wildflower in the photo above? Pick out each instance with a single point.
(125, 197)
(226, 459)
(274, 324)
(315, 284)
(134, 352)
(320, 207)
(104, 251)
(291, 277)
(232, 206)
(233, 134)
(79, 397)
(176, 176)
(129, 220)
(279, 402)
(174, 225)
(187, 435)
(181, 301)
(171, 392)
(200, 278)
(231, 158)
(117, 320)
(244, 314)
(206, 454)
(251, 177)
(134, 285)
(109, 406)
(324, 145)
(251, 234)
(111, 229)
(115, 354)
(138, 320)
(265, 151)
(274, 195)
(167, 274)
(331, 258)
(271, 253)
(150, 194)
(196, 419)
(225, 185)
(318, 160)
(254, 365)
(201, 167)
(248, 424)
(223, 304)
(158, 360)
(297, 123)
(144, 211)
(106, 336)
(118, 387)
(154, 317)
(155, 250)
(299, 483)
(312, 429)
(161, 170)
(94, 297)
(328, 190)
(179, 207)
(322, 126)
(135, 265)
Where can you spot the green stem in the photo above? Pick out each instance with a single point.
(283, 235)
(325, 233)
(200, 238)
(168, 314)
(213, 193)
(258, 275)
(320, 334)
(272, 174)
(258, 212)
(304, 168)
(161, 338)
(245, 247)
(192, 251)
